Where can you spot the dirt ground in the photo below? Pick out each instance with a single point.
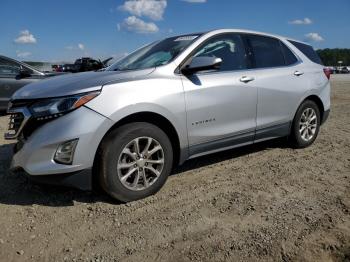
(263, 202)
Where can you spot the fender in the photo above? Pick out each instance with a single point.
(179, 124)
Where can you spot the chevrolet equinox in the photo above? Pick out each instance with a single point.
(124, 128)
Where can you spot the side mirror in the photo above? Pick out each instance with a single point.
(24, 72)
(202, 64)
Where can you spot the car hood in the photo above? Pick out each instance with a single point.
(71, 84)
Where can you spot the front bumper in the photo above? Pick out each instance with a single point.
(36, 154)
(80, 180)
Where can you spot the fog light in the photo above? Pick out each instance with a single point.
(65, 152)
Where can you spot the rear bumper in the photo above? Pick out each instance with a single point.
(325, 116)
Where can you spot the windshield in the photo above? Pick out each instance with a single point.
(156, 54)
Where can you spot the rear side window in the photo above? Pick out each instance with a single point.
(289, 57)
(267, 51)
(308, 51)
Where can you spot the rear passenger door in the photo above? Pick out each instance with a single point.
(280, 83)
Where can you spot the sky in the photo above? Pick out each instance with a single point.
(63, 30)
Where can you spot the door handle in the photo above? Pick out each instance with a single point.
(298, 73)
(246, 79)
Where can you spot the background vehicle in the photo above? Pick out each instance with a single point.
(344, 70)
(14, 75)
(170, 101)
(83, 64)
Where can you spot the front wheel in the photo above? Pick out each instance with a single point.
(306, 124)
(136, 160)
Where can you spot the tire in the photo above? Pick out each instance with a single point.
(304, 131)
(119, 158)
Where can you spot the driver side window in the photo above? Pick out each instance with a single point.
(228, 47)
(8, 67)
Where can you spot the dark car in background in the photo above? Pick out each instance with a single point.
(14, 75)
(83, 64)
(344, 70)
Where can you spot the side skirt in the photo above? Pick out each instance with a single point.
(239, 140)
(221, 144)
(272, 132)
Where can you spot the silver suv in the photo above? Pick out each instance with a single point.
(124, 128)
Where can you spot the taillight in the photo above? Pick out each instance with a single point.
(327, 72)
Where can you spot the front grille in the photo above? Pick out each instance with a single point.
(18, 118)
(22, 124)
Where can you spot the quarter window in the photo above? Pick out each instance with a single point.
(267, 51)
(308, 51)
(229, 48)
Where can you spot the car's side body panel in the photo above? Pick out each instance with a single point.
(158, 93)
(315, 81)
(319, 85)
(279, 90)
(220, 110)
(206, 113)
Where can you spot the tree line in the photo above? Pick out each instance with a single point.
(330, 57)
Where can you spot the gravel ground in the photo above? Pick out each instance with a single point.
(262, 202)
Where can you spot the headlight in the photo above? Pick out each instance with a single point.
(55, 107)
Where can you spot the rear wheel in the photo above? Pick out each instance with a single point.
(306, 124)
(136, 160)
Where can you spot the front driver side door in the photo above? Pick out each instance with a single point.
(221, 106)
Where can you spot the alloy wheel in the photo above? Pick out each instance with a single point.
(140, 163)
(308, 124)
